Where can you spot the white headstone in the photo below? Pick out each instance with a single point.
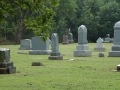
(99, 47)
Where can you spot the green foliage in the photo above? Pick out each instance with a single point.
(47, 16)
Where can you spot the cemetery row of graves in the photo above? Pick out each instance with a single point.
(37, 46)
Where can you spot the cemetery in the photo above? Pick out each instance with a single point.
(90, 66)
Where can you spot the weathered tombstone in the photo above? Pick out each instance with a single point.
(6, 66)
(82, 49)
(70, 37)
(101, 55)
(65, 39)
(55, 54)
(115, 52)
(25, 44)
(39, 46)
(107, 39)
(99, 47)
(37, 64)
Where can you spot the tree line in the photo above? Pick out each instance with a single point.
(24, 19)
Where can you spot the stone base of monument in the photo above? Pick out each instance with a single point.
(114, 54)
(7, 68)
(55, 57)
(82, 53)
(41, 52)
(25, 48)
(99, 49)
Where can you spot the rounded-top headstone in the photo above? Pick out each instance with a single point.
(82, 28)
(82, 35)
(117, 26)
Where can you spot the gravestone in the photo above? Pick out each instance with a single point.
(82, 49)
(70, 37)
(107, 39)
(39, 46)
(25, 44)
(6, 66)
(65, 39)
(55, 54)
(101, 55)
(115, 52)
(99, 47)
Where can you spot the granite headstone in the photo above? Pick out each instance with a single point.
(55, 54)
(82, 49)
(115, 52)
(6, 66)
(39, 46)
(25, 44)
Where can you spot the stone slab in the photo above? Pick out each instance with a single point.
(55, 54)
(82, 47)
(82, 53)
(99, 49)
(114, 54)
(36, 64)
(55, 57)
(11, 69)
(40, 52)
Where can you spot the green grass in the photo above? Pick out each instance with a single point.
(85, 73)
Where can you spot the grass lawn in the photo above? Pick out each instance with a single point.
(85, 73)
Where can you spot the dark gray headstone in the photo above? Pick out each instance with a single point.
(115, 52)
(6, 66)
(55, 54)
(82, 49)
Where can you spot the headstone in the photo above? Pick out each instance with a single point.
(65, 39)
(99, 47)
(82, 49)
(107, 39)
(101, 55)
(118, 67)
(37, 64)
(39, 46)
(55, 54)
(6, 66)
(70, 37)
(115, 52)
(25, 44)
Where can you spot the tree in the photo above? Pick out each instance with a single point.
(35, 15)
(65, 14)
(109, 15)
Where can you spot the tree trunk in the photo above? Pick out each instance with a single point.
(18, 33)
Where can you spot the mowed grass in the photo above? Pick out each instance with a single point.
(84, 73)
